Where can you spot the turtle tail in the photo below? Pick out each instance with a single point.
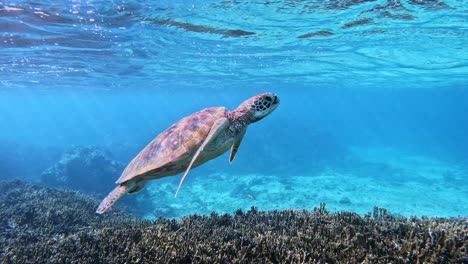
(111, 198)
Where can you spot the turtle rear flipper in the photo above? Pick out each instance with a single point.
(136, 186)
(111, 198)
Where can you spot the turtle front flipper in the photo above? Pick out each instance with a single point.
(218, 126)
(235, 146)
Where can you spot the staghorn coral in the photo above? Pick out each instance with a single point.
(39, 224)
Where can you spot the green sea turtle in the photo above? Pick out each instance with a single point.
(189, 143)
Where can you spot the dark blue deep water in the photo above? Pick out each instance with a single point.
(374, 100)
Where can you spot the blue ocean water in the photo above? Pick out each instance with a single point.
(373, 112)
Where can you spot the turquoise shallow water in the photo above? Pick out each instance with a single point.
(373, 98)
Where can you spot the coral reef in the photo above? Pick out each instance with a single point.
(84, 168)
(39, 225)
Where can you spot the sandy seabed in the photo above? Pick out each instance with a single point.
(405, 184)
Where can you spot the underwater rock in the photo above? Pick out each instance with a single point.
(345, 200)
(87, 169)
(44, 225)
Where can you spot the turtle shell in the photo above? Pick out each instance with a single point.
(171, 151)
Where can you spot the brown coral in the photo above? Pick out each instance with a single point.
(39, 225)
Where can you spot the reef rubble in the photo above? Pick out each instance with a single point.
(45, 225)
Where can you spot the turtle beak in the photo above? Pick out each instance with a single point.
(276, 99)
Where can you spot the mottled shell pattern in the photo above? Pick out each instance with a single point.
(170, 152)
(189, 143)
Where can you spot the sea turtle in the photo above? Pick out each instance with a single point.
(189, 143)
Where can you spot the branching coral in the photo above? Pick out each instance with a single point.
(38, 225)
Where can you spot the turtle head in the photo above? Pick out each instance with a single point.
(259, 106)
